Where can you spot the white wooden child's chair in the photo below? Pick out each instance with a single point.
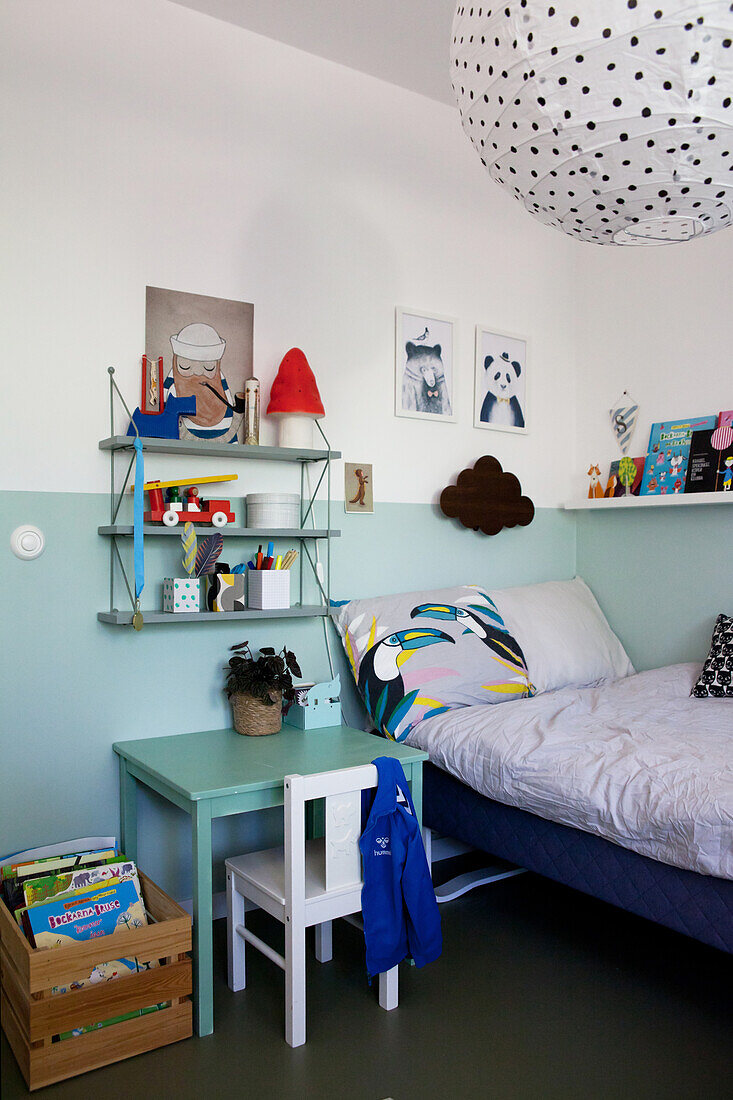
(304, 883)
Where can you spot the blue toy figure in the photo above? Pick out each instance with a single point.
(163, 425)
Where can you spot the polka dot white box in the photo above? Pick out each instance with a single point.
(268, 588)
(181, 594)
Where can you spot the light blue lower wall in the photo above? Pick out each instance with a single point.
(662, 575)
(72, 686)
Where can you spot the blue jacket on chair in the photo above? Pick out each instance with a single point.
(398, 902)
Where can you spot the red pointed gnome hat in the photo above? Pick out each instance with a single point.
(294, 389)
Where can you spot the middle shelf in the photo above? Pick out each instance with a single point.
(242, 532)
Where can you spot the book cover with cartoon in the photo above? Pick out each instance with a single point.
(710, 468)
(87, 913)
(17, 875)
(668, 453)
(38, 890)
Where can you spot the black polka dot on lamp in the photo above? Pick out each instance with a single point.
(608, 119)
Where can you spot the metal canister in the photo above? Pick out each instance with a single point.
(252, 411)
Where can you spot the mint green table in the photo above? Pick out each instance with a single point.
(219, 773)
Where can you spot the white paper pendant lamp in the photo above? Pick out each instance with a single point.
(609, 119)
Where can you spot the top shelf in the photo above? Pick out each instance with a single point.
(669, 499)
(217, 450)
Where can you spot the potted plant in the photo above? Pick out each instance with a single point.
(259, 689)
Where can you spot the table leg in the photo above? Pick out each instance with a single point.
(416, 788)
(128, 812)
(203, 976)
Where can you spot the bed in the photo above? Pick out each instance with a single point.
(615, 783)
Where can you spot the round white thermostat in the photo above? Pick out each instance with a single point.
(27, 542)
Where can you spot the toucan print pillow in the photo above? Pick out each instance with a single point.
(421, 653)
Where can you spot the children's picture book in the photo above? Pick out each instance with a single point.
(17, 875)
(78, 891)
(614, 488)
(87, 913)
(710, 469)
(67, 847)
(55, 864)
(669, 448)
(38, 890)
(112, 1020)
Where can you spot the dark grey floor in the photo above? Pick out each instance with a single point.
(541, 993)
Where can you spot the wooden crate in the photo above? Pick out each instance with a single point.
(30, 1015)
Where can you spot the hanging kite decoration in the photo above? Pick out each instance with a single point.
(623, 420)
(608, 119)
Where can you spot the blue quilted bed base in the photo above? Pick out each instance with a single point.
(697, 905)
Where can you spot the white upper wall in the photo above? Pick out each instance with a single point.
(657, 322)
(149, 144)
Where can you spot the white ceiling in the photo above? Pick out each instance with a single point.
(405, 42)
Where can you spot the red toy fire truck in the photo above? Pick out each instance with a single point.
(175, 510)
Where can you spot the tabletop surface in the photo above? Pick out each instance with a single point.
(217, 763)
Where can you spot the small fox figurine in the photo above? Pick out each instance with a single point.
(594, 489)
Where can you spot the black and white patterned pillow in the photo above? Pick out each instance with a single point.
(716, 678)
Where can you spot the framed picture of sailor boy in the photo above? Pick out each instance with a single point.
(207, 349)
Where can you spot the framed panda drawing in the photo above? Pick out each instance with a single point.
(500, 381)
(424, 366)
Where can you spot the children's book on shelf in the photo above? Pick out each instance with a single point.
(669, 448)
(614, 488)
(710, 469)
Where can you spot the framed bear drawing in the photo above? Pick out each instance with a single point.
(500, 382)
(424, 366)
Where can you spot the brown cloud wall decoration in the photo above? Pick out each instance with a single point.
(487, 499)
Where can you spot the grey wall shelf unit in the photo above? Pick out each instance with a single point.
(122, 447)
(218, 450)
(124, 618)
(125, 529)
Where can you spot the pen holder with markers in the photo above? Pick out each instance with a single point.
(268, 588)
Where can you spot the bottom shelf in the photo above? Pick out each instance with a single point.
(124, 618)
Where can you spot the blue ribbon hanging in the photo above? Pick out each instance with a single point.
(137, 522)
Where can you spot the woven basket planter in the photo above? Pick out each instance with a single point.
(253, 718)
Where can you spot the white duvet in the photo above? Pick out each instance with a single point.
(636, 761)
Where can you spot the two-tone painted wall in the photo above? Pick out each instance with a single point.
(165, 148)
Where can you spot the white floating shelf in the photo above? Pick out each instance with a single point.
(669, 500)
